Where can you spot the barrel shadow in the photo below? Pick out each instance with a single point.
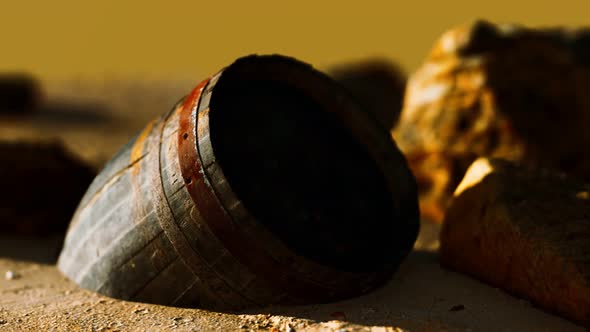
(32, 248)
(424, 296)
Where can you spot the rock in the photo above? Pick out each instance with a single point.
(376, 83)
(525, 231)
(458, 307)
(43, 184)
(19, 93)
(11, 275)
(499, 91)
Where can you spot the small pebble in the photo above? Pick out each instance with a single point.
(2, 322)
(11, 275)
(289, 328)
(333, 324)
(457, 307)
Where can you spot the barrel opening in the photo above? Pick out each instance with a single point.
(297, 167)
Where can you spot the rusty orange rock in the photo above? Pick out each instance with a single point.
(496, 90)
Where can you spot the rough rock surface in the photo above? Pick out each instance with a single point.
(524, 231)
(501, 91)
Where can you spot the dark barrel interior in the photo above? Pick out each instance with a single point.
(301, 172)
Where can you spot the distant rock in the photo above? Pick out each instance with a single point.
(376, 83)
(496, 90)
(19, 93)
(42, 184)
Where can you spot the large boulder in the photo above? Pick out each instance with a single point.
(501, 91)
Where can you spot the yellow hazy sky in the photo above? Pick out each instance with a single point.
(167, 39)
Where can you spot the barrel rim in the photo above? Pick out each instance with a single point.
(379, 145)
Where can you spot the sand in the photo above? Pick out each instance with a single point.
(420, 297)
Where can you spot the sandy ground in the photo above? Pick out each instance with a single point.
(94, 120)
(420, 297)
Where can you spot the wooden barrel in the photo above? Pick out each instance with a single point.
(267, 184)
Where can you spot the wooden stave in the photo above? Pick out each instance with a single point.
(131, 263)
